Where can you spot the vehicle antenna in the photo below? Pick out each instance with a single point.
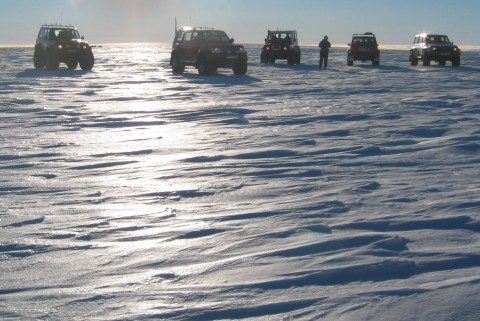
(176, 26)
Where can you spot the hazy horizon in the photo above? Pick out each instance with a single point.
(150, 21)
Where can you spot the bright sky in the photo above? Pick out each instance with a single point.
(102, 21)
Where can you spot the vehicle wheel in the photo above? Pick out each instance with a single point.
(87, 61)
(456, 62)
(177, 66)
(413, 60)
(52, 61)
(263, 57)
(72, 63)
(349, 59)
(298, 57)
(291, 59)
(39, 59)
(425, 59)
(203, 66)
(240, 67)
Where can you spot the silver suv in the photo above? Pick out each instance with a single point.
(434, 47)
(56, 44)
(281, 45)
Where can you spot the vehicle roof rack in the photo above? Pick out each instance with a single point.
(197, 28)
(49, 25)
(364, 34)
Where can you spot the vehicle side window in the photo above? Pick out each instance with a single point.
(179, 35)
(187, 36)
(195, 36)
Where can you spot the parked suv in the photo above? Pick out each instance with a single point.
(56, 44)
(364, 47)
(281, 45)
(428, 47)
(207, 49)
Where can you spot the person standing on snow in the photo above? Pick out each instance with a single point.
(324, 50)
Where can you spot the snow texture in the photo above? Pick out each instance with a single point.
(291, 193)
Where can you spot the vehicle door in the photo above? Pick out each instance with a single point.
(416, 47)
(190, 46)
(181, 44)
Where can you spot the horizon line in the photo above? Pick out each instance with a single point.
(338, 46)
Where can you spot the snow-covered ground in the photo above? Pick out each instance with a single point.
(131, 193)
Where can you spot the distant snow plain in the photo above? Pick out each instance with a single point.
(291, 193)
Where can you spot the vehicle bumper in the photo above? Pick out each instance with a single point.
(278, 52)
(443, 55)
(227, 60)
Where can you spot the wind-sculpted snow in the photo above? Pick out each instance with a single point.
(291, 193)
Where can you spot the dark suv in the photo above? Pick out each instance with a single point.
(56, 44)
(207, 49)
(428, 47)
(364, 47)
(281, 45)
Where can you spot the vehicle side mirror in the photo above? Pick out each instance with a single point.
(83, 38)
(232, 40)
(349, 45)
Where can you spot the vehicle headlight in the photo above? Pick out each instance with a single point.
(241, 50)
(269, 48)
(455, 49)
(285, 48)
(216, 50)
(434, 49)
(84, 47)
(60, 46)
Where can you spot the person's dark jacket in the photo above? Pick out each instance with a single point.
(324, 46)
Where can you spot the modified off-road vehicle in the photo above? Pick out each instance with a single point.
(56, 44)
(207, 50)
(364, 47)
(430, 47)
(281, 45)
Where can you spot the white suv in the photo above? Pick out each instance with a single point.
(434, 47)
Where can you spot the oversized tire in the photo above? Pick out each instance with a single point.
(425, 59)
(298, 57)
(72, 63)
(240, 67)
(349, 59)
(413, 59)
(291, 58)
(264, 57)
(456, 62)
(203, 66)
(177, 66)
(52, 62)
(39, 59)
(87, 61)
(376, 61)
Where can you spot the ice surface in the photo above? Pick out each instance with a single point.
(131, 193)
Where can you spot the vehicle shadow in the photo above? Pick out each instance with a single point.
(300, 67)
(218, 78)
(43, 73)
(390, 68)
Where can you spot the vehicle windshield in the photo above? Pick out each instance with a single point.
(280, 36)
(65, 34)
(215, 36)
(438, 39)
(364, 41)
